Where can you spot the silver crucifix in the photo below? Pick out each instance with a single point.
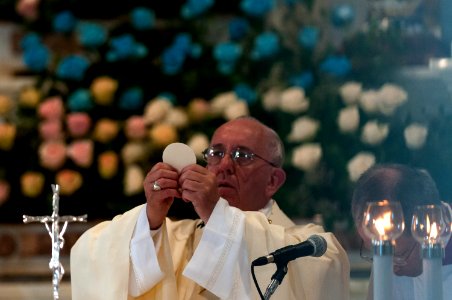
(56, 236)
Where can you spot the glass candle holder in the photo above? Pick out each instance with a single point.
(383, 224)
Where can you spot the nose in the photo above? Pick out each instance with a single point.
(226, 164)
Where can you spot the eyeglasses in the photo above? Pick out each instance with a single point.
(399, 259)
(242, 156)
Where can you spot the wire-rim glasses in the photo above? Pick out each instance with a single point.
(240, 155)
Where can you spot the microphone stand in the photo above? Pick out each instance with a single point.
(277, 278)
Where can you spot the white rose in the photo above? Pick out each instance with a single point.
(359, 164)
(306, 157)
(156, 110)
(177, 117)
(303, 129)
(374, 133)
(133, 180)
(415, 136)
(198, 142)
(220, 102)
(235, 110)
(391, 97)
(348, 119)
(350, 92)
(293, 100)
(271, 99)
(369, 101)
(134, 152)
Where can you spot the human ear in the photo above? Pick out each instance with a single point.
(277, 179)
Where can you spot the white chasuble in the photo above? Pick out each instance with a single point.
(119, 260)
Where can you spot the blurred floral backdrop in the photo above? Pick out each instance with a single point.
(116, 83)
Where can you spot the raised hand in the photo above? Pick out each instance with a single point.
(161, 187)
(199, 186)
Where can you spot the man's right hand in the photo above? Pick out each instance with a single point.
(160, 201)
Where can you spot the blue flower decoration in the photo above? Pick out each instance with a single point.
(142, 18)
(342, 15)
(173, 59)
(195, 8)
(72, 67)
(36, 57)
(183, 42)
(174, 56)
(256, 8)
(308, 37)
(265, 45)
(131, 99)
(238, 28)
(64, 22)
(336, 65)
(227, 54)
(124, 47)
(91, 35)
(80, 101)
(304, 80)
(30, 40)
(245, 92)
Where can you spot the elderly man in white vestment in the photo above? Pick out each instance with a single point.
(143, 254)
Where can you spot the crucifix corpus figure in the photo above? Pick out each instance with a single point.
(52, 223)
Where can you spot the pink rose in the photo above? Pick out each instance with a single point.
(106, 130)
(51, 130)
(81, 152)
(107, 164)
(69, 181)
(51, 108)
(31, 183)
(29, 9)
(4, 191)
(78, 124)
(52, 154)
(135, 128)
(7, 136)
(198, 109)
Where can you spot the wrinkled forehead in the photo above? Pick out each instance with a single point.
(239, 133)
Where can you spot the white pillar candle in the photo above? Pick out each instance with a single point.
(382, 272)
(432, 268)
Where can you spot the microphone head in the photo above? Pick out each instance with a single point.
(319, 244)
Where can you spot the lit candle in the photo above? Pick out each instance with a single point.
(383, 223)
(428, 227)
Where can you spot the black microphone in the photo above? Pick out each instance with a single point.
(315, 245)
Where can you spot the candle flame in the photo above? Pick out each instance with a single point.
(383, 224)
(433, 231)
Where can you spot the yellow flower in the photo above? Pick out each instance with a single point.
(107, 164)
(31, 184)
(6, 105)
(29, 97)
(103, 90)
(69, 181)
(163, 134)
(7, 136)
(106, 130)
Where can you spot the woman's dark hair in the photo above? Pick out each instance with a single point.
(394, 182)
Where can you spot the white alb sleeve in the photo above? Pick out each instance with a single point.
(145, 271)
(220, 262)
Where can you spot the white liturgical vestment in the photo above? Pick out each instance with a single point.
(120, 260)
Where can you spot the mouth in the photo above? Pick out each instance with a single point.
(225, 185)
